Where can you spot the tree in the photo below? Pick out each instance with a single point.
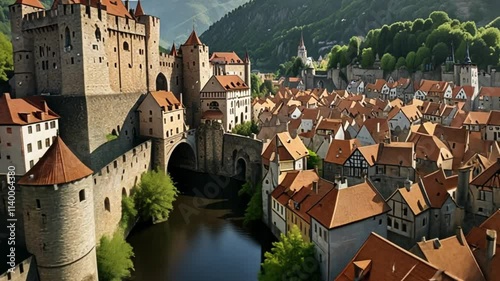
(295, 68)
(491, 37)
(155, 195)
(313, 160)
(418, 25)
(470, 27)
(410, 61)
(439, 18)
(353, 48)
(440, 52)
(267, 88)
(114, 258)
(253, 212)
(388, 62)
(334, 57)
(423, 55)
(129, 213)
(6, 63)
(246, 129)
(256, 83)
(401, 63)
(291, 258)
(367, 58)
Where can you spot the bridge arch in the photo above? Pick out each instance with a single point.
(182, 155)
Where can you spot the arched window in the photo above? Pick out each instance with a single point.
(107, 205)
(81, 194)
(67, 38)
(124, 192)
(214, 105)
(98, 34)
(125, 46)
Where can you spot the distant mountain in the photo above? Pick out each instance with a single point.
(270, 29)
(177, 15)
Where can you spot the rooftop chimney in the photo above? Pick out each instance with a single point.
(408, 183)
(341, 183)
(463, 186)
(361, 269)
(436, 243)
(315, 187)
(491, 243)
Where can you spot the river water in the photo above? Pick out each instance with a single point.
(204, 238)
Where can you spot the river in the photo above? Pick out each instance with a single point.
(204, 238)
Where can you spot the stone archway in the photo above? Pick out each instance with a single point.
(161, 82)
(241, 169)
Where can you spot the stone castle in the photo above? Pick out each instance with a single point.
(94, 61)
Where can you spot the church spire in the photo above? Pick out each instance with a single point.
(301, 44)
(467, 59)
(247, 57)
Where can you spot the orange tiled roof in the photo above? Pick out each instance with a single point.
(306, 198)
(32, 3)
(489, 177)
(225, 57)
(335, 209)
(453, 256)
(340, 150)
(415, 198)
(24, 111)
(494, 119)
(57, 166)
(166, 99)
(213, 115)
(436, 185)
(396, 154)
(489, 92)
(390, 262)
(231, 82)
(286, 147)
(193, 40)
(112, 7)
(477, 118)
(469, 91)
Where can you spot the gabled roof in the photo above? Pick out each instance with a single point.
(193, 40)
(489, 177)
(429, 147)
(32, 3)
(468, 90)
(24, 111)
(415, 198)
(286, 147)
(477, 118)
(231, 82)
(436, 185)
(225, 58)
(57, 166)
(340, 150)
(166, 99)
(173, 50)
(396, 154)
(306, 198)
(390, 262)
(336, 208)
(494, 119)
(453, 255)
(489, 92)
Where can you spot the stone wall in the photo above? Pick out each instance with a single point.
(237, 147)
(24, 271)
(209, 148)
(59, 229)
(114, 181)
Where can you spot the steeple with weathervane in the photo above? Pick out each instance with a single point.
(302, 51)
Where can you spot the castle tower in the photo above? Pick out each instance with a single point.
(248, 70)
(24, 81)
(152, 25)
(302, 51)
(196, 72)
(58, 216)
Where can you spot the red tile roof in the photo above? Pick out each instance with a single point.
(225, 58)
(24, 111)
(436, 186)
(490, 92)
(390, 262)
(32, 3)
(335, 209)
(193, 40)
(213, 115)
(489, 177)
(166, 99)
(340, 150)
(231, 82)
(57, 166)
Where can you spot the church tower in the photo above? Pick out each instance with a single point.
(196, 72)
(248, 70)
(466, 74)
(302, 51)
(24, 67)
(58, 212)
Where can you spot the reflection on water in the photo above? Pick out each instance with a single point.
(204, 239)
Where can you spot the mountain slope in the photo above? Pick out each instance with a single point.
(270, 29)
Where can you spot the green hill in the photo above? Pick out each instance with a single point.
(270, 29)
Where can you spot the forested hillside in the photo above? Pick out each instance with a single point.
(270, 29)
(422, 44)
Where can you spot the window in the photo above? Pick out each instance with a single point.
(38, 128)
(98, 34)
(107, 206)
(424, 222)
(9, 130)
(405, 211)
(21, 267)
(178, 117)
(30, 148)
(46, 126)
(125, 46)
(171, 118)
(150, 119)
(39, 145)
(389, 222)
(38, 205)
(67, 38)
(151, 131)
(482, 195)
(47, 142)
(81, 195)
(52, 124)
(30, 130)
(32, 163)
(315, 228)
(404, 227)
(396, 225)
